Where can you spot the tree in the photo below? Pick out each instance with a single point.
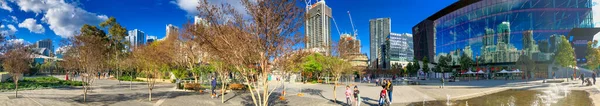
(89, 51)
(525, 62)
(409, 68)
(442, 63)
(425, 64)
(565, 55)
(312, 65)
(16, 63)
(153, 60)
(250, 44)
(593, 55)
(116, 42)
(337, 66)
(465, 62)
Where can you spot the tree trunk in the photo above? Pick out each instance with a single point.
(16, 88)
(195, 77)
(84, 87)
(149, 94)
(334, 91)
(130, 80)
(118, 72)
(222, 89)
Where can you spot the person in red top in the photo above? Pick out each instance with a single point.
(382, 96)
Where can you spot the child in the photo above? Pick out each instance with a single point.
(382, 96)
(348, 95)
(356, 95)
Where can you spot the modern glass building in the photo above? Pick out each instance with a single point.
(499, 31)
(400, 48)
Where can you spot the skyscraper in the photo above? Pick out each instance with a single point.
(318, 27)
(171, 31)
(151, 39)
(400, 48)
(379, 29)
(46, 43)
(136, 37)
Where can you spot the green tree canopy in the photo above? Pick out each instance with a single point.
(593, 55)
(565, 55)
(465, 62)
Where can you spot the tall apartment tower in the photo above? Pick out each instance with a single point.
(46, 43)
(318, 27)
(172, 30)
(136, 37)
(379, 29)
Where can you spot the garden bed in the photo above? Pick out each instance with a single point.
(38, 83)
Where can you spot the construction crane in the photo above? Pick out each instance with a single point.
(354, 31)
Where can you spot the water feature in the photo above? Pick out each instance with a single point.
(555, 96)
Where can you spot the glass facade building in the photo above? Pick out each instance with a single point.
(500, 30)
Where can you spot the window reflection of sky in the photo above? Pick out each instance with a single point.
(466, 26)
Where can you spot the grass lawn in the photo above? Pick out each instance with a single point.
(38, 83)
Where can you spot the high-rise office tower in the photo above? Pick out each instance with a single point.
(172, 31)
(401, 47)
(151, 39)
(379, 29)
(136, 37)
(318, 27)
(46, 43)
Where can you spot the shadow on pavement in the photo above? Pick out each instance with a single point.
(367, 99)
(319, 92)
(108, 99)
(273, 100)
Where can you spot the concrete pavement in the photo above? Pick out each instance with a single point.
(109, 92)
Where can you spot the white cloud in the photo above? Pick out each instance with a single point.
(17, 41)
(32, 26)
(2, 26)
(189, 6)
(4, 5)
(8, 30)
(63, 18)
(11, 19)
(12, 28)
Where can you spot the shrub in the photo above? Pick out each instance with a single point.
(128, 78)
(191, 86)
(237, 86)
(37, 83)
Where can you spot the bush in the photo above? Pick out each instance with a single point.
(192, 86)
(38, 82)
(237, 86)
(128, 78)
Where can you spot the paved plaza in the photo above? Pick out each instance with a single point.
(110, 92)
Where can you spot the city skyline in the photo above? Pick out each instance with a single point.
(151, 17)
(158, 13)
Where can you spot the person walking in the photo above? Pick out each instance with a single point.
(348, 95)
(356, 95)
(390, 88)
(382, 96)
(594, 78)
(213, 85)
(442, 82)
(581, 76)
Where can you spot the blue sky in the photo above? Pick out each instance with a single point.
(57, 19)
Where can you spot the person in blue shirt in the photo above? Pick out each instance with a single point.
(213, 85)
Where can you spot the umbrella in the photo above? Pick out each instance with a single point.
(470, 72)
(517, 71)
(504, 71)
(480, 72)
